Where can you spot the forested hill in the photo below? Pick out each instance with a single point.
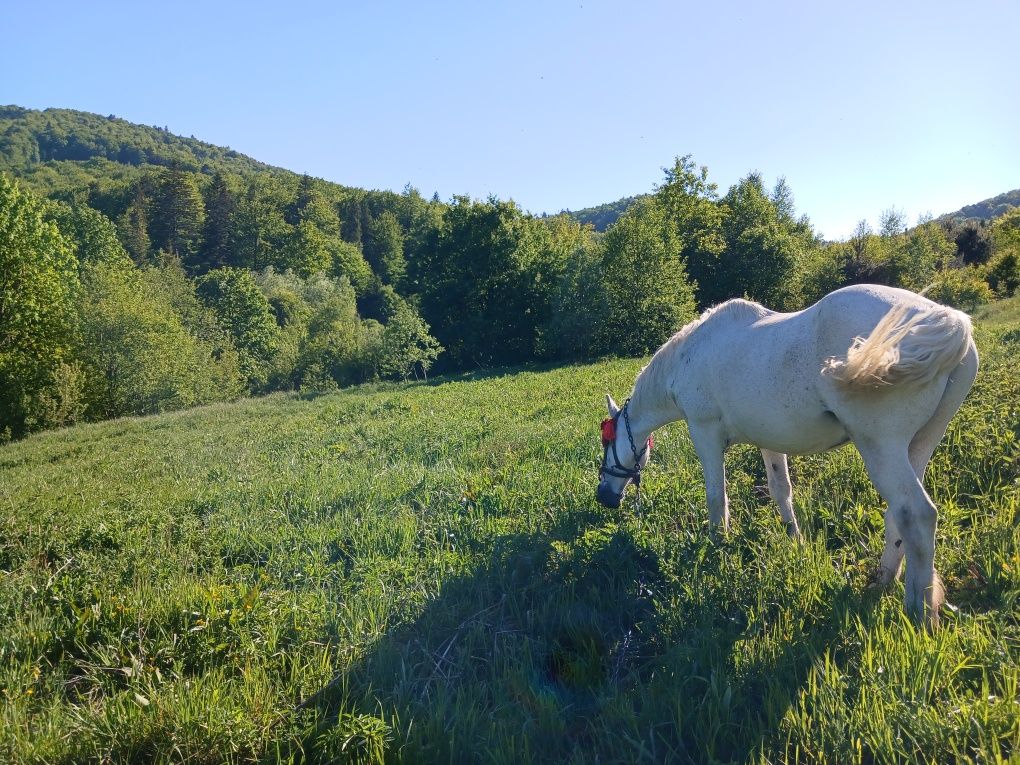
(987, 209)
(602, 217)
(57, 148)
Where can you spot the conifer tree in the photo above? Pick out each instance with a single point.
(177, 214)
(306, 192)
(353, 213)
(220, 205)
(133, 226)
(384, 248)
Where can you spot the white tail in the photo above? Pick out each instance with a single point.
(905, 348)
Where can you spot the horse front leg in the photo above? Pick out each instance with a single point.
(778, 472)
(710, 445)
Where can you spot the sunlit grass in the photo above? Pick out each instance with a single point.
(420, 574)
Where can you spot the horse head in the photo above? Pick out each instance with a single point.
(622, 461)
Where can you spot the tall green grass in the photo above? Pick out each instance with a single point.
(420, 574)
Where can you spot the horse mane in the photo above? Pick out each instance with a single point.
(652, 375)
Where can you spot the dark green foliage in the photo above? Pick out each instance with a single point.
(649, 295)
(689, 203)
(354, 212)
(260, 232)
(29, 137)
(761, 251)
(972, 239)
(493, 284)
(177, 214)
(626, 296)
(133, 226)
(218, 233)
(486, 281)
(384, 248)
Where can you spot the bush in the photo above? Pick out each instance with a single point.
(1003, 272)
(136, 353)
(244, 312)
(961, 288)
(38, 278)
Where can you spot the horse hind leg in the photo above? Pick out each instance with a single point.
(914, 518)
(892, 555)
(922, 446)
(778, 472)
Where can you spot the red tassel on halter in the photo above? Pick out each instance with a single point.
(608, 432)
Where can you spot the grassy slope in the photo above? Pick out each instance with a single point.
(421, 573)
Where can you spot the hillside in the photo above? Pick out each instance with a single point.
(419, 574)
(988, 209)
(602, 217)
(55, 148)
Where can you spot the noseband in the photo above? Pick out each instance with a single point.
(609, 446)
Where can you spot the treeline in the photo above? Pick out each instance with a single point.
(87, 332)
(129, 289)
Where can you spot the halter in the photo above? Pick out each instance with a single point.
(609, 444)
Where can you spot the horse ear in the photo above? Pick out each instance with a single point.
(611, 405)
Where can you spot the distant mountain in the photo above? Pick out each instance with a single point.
(56, 149)
(603, 216)
(987, 209)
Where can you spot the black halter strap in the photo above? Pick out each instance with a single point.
(618, 470)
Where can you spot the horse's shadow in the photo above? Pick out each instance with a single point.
(557, 648)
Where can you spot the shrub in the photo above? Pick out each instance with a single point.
(961, 288)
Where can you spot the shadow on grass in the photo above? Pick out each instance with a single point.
(556, 650)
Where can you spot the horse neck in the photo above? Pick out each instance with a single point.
(652, 402)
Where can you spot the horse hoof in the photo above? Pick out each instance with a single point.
(880, 579)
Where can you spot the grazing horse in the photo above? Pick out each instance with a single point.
(882, 367)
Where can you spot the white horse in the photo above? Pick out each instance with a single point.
(882, 367)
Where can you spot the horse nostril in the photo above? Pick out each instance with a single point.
(608, 498)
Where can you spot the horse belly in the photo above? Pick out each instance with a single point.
(789, 430)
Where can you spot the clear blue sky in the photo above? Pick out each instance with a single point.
(862, 106)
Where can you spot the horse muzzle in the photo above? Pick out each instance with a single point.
(607, 497)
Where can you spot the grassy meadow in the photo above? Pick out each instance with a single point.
(420, 573)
